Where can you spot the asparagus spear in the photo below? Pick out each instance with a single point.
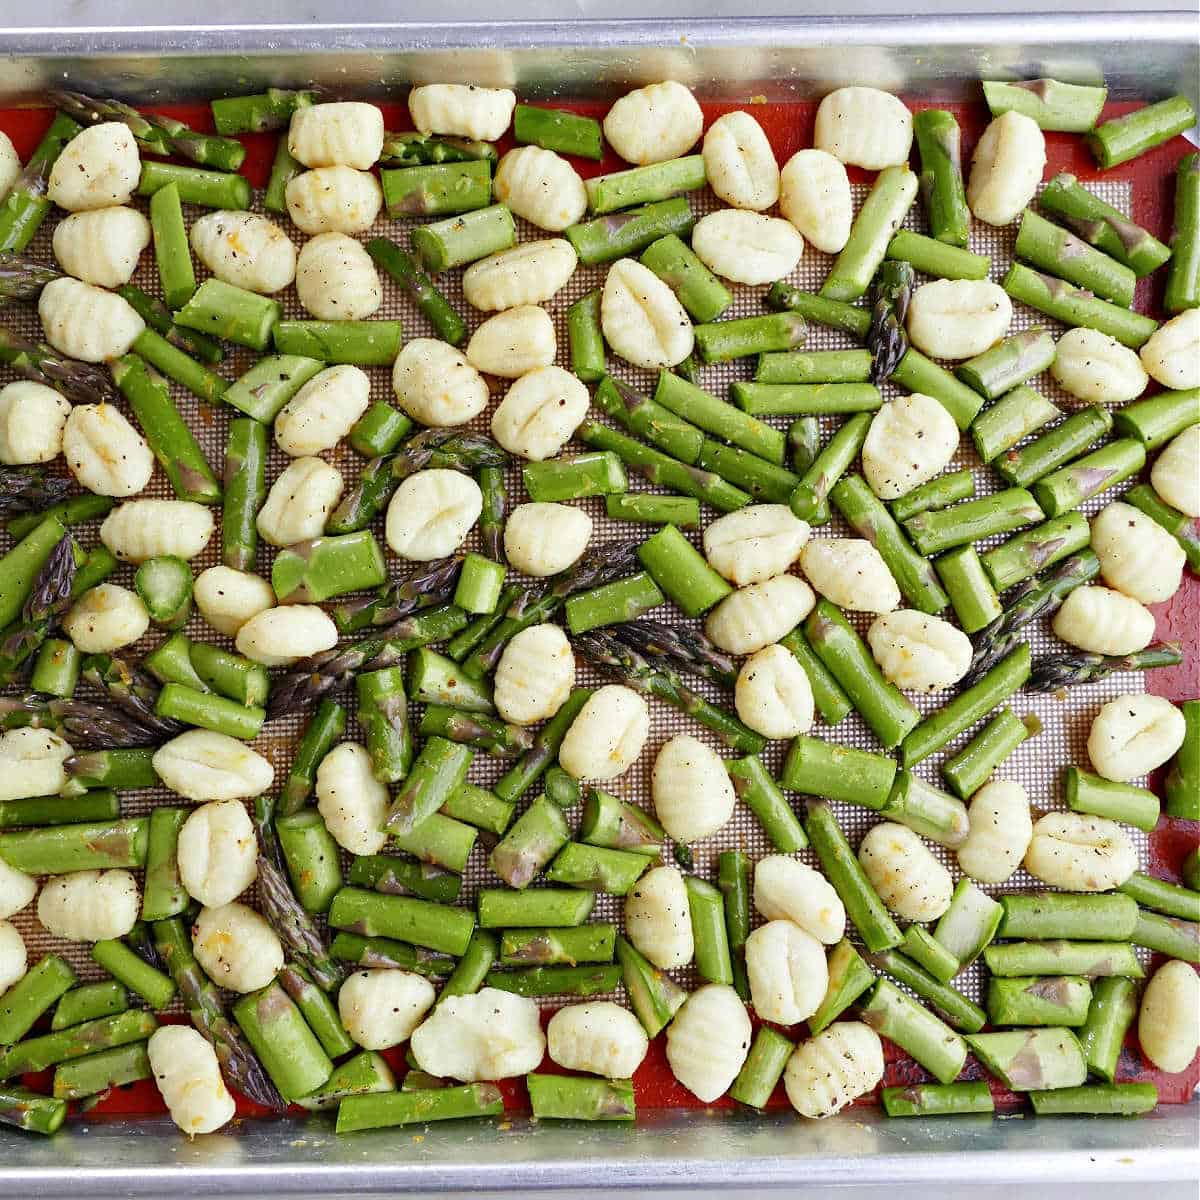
(51, 594)
(1062, 670)
(682, 649)
(22, 278)
(891, 291)
(24, 208)
(81, 383)
(132, 690)
(425, 584)
(96, 726)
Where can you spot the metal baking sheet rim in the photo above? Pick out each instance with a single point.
(664, 1150)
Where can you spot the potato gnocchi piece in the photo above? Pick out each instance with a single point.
(1096, 368)
(490, 1035)
(543, 538)
(827, 1072)
(105, 618)
(1103, 621)
(98, 168)
(958, 318)
(1000, 829)
(14, 959)
(86, 322)
(201, 765)
(1174, 473)
(910, 440)
(902, 869)
(333, 200)
(772, 694)
(530, 273)
(16, 890)
(437, 385)
(1137, 556)
(431, 514)
(104, 452)
(658, 918)
(814, 194)
(1132, 735)
(740, 163)
(346, 133)
(535, 675)
(864, 127)
(1080, 853)
(227, 599)
(758, 615)
(919, 652)
(101, 246)
(236, 947)
(850, 573)
(600, 1037)
(1006, 168)
(323, 411)
(1171, 355)
(10, 164)
(351, 800)
(380, 1009)
(336, 279)
(218, 853)
(607, 736)
(279, 637)
(31, 763)
(755, 543)
(708, 1041)
(142, 529)
(539, 413)
(89, 906)
(693, 794)
(747, 247)
(654, 123)
(1169, 1017)
(246, 250)
(541, 187)
(787, 972)
(513, 342)
(641, 317)
(462, 110)
(299, 502)
(188, 1078)
(32, 419)
(785, 889)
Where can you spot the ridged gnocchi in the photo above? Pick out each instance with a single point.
(1171, 355)
(299, 502)
(32, 419)
(540, 186)
(352, 802)
(86, 322)
(1132, 735)
(747, 247)
(431, 514)
(708, 1041)
(333, 200)
(850, 573)
(105, 618)
(658, 918)
(381, 1008)
(600, 1037)
(535, 675)
(336, 279)
(919, 652)
(98, 168)
(530, 273)
(827, 1072)
(188, 1078)
(740, 163)
(31, 763)
(279, 637)
(436, 384)
(461, 109)
(246, 250)
(654, 123)
(202, 765)
(901, 868)
(218, 853)
(1006, 168)
(755, 543)
(1096, 368)
(236, 947)
(89, 906)
(1174, 473)
(787, 972)
(1169, 1017)
(1080, 853)
(814, 194)
(1137, 556)
(227, 599)
(1103, 621)
(693, 794)
(458, 1040)
(1000, 829)
(910, 440)
(513, 342)
(10, 164)
(542, 538)
(607, 736)
(641, 317)
(864, 127)
(958, 318)
(785, 889)
(539, 413)
(759, 614)
(16, 890)
(323, 411)
(140, 529)
(104, 452)
(772, 694)
(102, 245)
(346, 133)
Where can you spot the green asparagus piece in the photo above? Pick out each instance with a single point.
(155, 988)
(1093, 960)
(362, 343)
(625, 234)
(1088, 793)
(96, 1074)
(212, 189)
(1070, 486)
(1010, 420)
(973, 765)
(1062, 443)
(969, 924)
(554, 129)
(88, 1002)
(385, 954)
(447, 323)
(555, 908)
(1113, 1008)
(937, 493)
(913, 1028)
(421, 922)
(1123, 138)
(700, 292)
(386, 1109)
(1076, 306)
(762, 1069)
(32, 995)
(755, 787)
(941, 181)
(810, 499)
(1163, 897)
(645, 185)
(25, 206)
(555, 981)
(231, 313)
(1056, 250)
(288, 1048)
(955, 1008)
(1183, 275)
(937, 1099)
(38, 1053)
(881, 215)
(938, 258)
(437, 190)
(456, 241)
(1182, 788)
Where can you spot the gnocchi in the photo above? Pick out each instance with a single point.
(323, 411)
(105, 618)
(437, 385)
(104, 452)
(828, 1071)
(1006, 168)
(658, 918)
(772, 694)
(600, 1038)
(346, 133)
(236, 947)
(458, 1040)
(999, 833)
(188, 1078)
(462, 110)
(747, 247)
(1174, 475)
(1132, 735)
(1080, 853)
(759, 614)
(851, 573)
(32, 419)
(299, 502)
(245, 250)
(864, 127)
(542, 538)
(641, 317)
(541, 187)
(529, 273)
(958, 318)
(381, 1008)
(1137, 556)
(10, 164)
(14, 959)
(431, 514)
(910, 440)
(16, 890)
(86, 322)
(740, 163)
(919, 652)
(708, 1041)
(785, 889)
(535, 675)
(814, 194)
(31, 763)
(1102, 621)
(607, 736)
(89, 906)
(787, 972)
(333, 200)
(142, 529)
(1096, 368)
(755, 543)
(227, 599)
(98, 168)
(1169, 1017)
(218, 854)
(693, 794)
(1171, 355)
(513, 342)
(352, 802)
(279, 637)
(202, 765)
(336, 279)
(901, 868)
(101, 246)
(539, 413)
(654, 123)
